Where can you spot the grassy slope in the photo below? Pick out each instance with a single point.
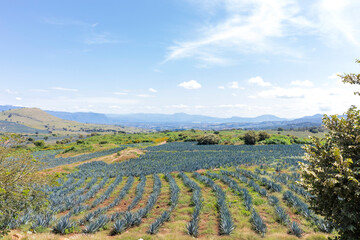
(36, 118)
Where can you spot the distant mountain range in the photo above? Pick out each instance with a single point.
(184, 121)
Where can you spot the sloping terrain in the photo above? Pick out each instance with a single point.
(38, 119)
(12, 127)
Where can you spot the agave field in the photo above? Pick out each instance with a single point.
(181, 191)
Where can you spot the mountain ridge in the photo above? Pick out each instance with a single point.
(176, 121)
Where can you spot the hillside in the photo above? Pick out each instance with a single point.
(38, 119)
(13, 127)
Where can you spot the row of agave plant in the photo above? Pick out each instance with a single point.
(196, 201)
(300, 206)
(191, 157)
(270, 185)
(165, 216)
(258, 224)
(282, 216)
(97, 224)
(134, 219)
(51, 161)
(73, 190)
(294, 201)
(226, 224)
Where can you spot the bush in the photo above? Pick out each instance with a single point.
(263, 136)
(208, 139)
(18, 182)
(250, 138)
(39, 143)
(279, 139)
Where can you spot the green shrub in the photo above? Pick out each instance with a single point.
(278, 139)
(208, 139)
(39, 143)
(250, 138)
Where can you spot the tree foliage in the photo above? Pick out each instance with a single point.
(263, 135)
(332, 173)
(250, 138)
(19, 181)
(208, 139)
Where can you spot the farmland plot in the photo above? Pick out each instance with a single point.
(180, 191)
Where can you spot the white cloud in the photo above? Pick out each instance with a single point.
(267, 26)
(103, 38)
(152, 90)
(18, 98)
(250, 25)
(120, 93)
(259, 81)
(234, 94)
(278, 92)
(178, 106)
(65, 89)
(335, 76)
(10, 91)
(38, 90)
(221, 87)
(232, 106)
(192, 84)
(305, 83)
(234, 85)
(72, 22)
(144, 95)
(338, 21)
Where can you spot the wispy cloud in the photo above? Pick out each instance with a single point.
(337, 78)
(152, 90)
(177, 106)
(120, 93)
(65, 89)
(103, 38)
(235, 85)
(338, 21)
(18, 98)
(305, 83)
(279, 92)
(249, 26)
(256, 26)
(38, 90)
(144, 95)
(192, 84)
(259, 81)
(94, 36)
(71, 22)
(232, 106)
(10, 91)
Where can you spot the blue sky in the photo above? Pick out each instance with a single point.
(212, 57)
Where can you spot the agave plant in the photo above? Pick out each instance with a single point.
(258, 224)
(193, 228)
(295, 229)
(97, 225)
(281, 215)
(64, 225)
(118, 227)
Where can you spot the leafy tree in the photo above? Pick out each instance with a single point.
(332, 173)
(19, 181)
(250, 138)
(39, 143)
(263, 136)
(208, 139)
